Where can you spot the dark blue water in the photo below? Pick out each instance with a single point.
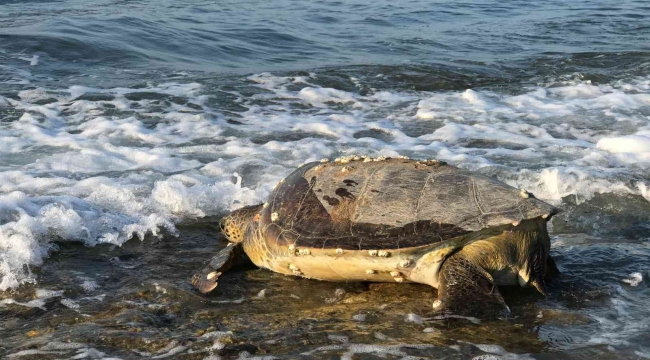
(254, 36)
(128, 128)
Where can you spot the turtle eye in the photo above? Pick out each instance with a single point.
(222, 225)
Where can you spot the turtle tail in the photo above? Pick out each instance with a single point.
(234, 225)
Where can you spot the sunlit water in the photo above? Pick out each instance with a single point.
(128, 128)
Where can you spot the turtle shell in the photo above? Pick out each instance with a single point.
(389, 204)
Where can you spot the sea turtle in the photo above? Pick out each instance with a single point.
(395, 220)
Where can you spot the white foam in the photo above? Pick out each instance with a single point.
(61, 348)
(217, 345)
(38, 303)
(644, 190)
(171, 352)
(27, 239)
(99, 297)
(413, 318)
(57, 345)
(635, 279)
(630, 149)
(80, 170)
(33, 61)
(491, 348)
(625, 144)
(378, 350)
(89, 285)
(320, 96)
(245, 355)
(69, 303)
(90, 353)
(34, 352)
(554, 183)
(275, 83)
(48, 294)
(216, 334)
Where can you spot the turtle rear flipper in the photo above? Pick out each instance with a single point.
(467, 289)
(205, 280)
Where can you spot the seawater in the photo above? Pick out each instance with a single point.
(127, 129)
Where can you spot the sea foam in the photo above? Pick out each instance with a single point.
(107, 165)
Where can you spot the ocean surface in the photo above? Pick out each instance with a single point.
(128, 128)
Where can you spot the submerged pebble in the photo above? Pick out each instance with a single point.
(261, 294)
(339, 338)
(359, 317)
(380, 336)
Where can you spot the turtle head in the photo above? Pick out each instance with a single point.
(524, 248)
(234, 225)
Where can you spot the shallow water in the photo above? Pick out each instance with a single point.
(127, 129)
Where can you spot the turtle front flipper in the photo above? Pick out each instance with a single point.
(465, 288)
(205, 280)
